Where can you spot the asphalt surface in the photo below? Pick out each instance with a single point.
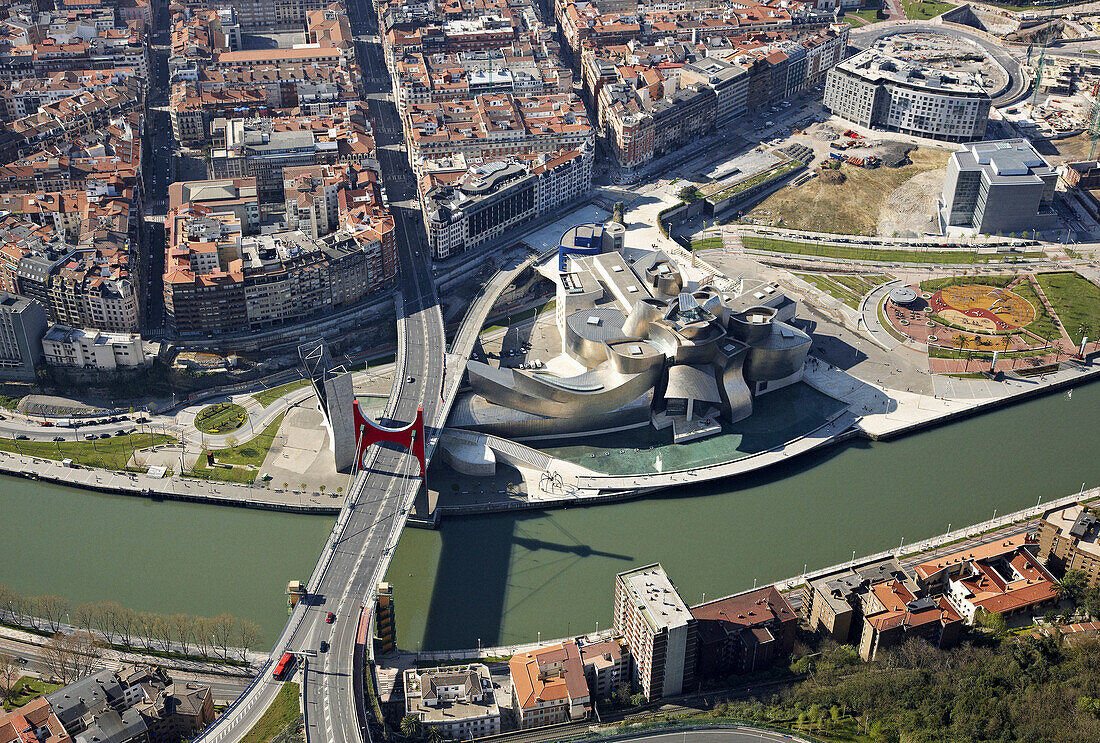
(866, 37)
(723, 735)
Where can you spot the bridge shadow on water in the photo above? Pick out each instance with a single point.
(477, 568)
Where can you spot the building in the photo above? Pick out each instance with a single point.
(658, 628)
(467, 205)
(136, 704)
(1069, 539)
(22, 325)
(892, 614)
(237, 196)
(744, 633)
(459, 701)
(1001, 577)
(93, 349)
(549, 686)
(606, 665)
(730, 83)
(34, 722)
(881, 92)
(837, 600)
(998, 187)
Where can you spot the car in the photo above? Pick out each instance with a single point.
(104, 435)
(330, 618)
(89, 437)
(410, 379)
(23, 437)
(58, 438)
(324, 646)
(46, 424)
(120, 432)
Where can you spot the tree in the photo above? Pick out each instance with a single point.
(126, 621)
(221, 627)
(9, 674)
(435, 735)
(687, 193)
(247, 636)
(621, 695)
(70, 657)
(1092, 602)
(52, 609)
(410, 726)
(617, 212)
(183, 630)
(230, 442)
(1072, 586)
(638, 699)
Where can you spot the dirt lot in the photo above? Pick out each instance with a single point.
(854, 206)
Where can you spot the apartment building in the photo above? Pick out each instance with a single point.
(74, 116)
(459, 701)
(262, 148)
(549, 686)
(494, 126)
(317, 195)
(837, 600)
(998, 187)
(26, 96)
(1002, 577)
(658, 628)
(22, 325)
(875, 90)
(467, 204)
(606, 665)
(238, 196)
(63, 346)
(1069, 539)
(744, 633)
(264, 15)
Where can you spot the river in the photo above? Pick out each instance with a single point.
(505, 578)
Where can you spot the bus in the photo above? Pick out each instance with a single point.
(281, 667)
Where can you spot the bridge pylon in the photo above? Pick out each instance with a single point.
(411, 437)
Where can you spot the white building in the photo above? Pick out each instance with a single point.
(878, 91)
(467, 206)
(459, 700)
(92, 349)
(659, 629)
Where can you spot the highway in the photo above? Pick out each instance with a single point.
(360, 547)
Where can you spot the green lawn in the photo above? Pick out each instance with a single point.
(26, 690)
(924, 9)
(773, 173)
(6, 401)
(1076, 300)
(828, 285)
(269, 396)
(283, 711)
(252, 452)
(706, 243)
(857, 253)
(867, 16)
(1000, 280)
(109, 454)
(859, 283)
(220, 418)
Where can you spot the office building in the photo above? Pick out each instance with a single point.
(549, 686)
(459, 701)
(22, 325)
(658, 628)
(874, 90)
(1069, 539)
(606, 665)
(998, 187)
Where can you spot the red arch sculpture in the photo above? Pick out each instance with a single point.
(411, 437)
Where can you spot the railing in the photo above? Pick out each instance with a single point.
(213, 731)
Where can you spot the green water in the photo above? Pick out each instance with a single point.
(778, 417)
(505, 578)
(502, 579)
(154, 556)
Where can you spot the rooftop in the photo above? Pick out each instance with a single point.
(656, 597)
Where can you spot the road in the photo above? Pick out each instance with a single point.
(723, 735)
(863, 38)
(361, 546)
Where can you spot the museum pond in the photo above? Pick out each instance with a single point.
(504, 578)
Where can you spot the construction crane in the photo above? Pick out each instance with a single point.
(1094, 118)
(1041, 65)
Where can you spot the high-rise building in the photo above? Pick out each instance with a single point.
(998, 187)
(659, 628)
(1069, 539)
(22, 325)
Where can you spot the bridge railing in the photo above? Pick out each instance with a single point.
(214, 731)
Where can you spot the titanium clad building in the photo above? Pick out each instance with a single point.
(878, 91)
(998, 187)
(659, 628)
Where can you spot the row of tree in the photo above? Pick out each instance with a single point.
(67, 657)
(223, 636)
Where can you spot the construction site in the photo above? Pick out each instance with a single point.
(960, 58)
